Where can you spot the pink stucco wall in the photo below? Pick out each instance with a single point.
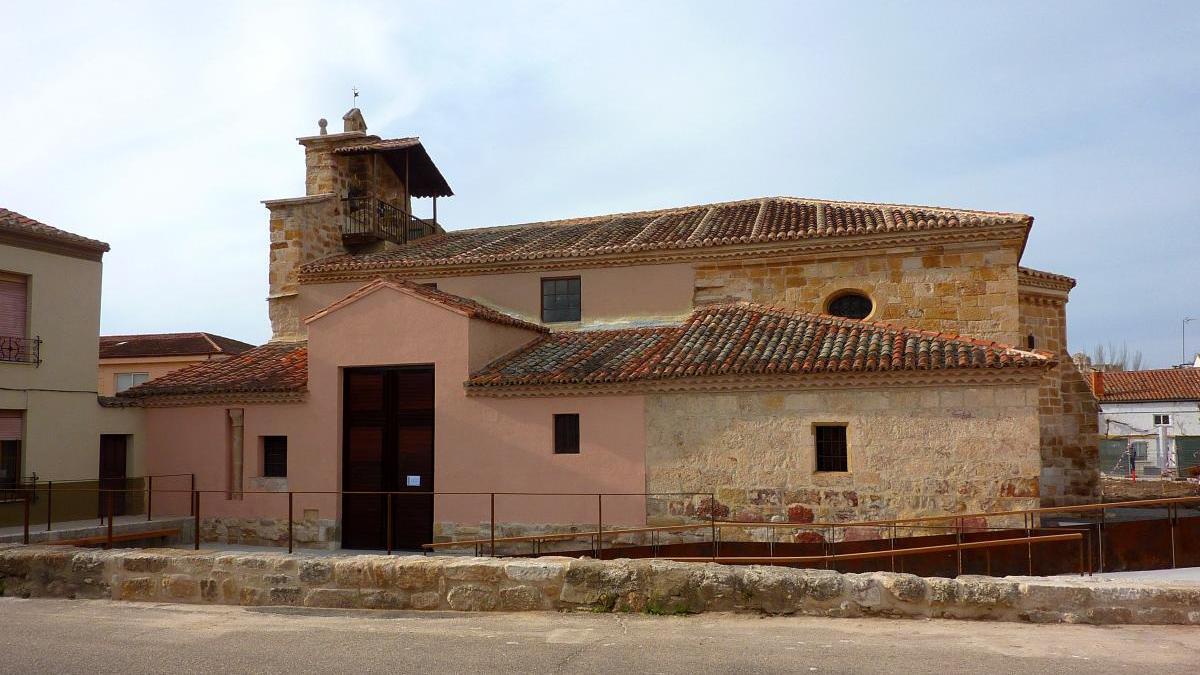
(480, 444)
(607, 293)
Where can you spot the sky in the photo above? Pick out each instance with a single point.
(160, 127)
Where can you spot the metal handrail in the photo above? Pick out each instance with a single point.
(373, 217)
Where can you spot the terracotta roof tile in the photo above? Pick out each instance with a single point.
(169, 344)
(273, 367)
(743, 339)
(15, 223)
(465, 306)
(1167, 384)
(743, 222)
(381, 145)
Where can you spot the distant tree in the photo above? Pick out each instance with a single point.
(1115, 358)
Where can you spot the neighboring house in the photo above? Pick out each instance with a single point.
(129, 360)
(777, 358)
(1151, 417)
(51, 425)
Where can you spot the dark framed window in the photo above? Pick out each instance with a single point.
(274, 456)
(1162, 420)
(832, 451)
(560, 299)
(1031, 341)
(566, 434)
(850, 306)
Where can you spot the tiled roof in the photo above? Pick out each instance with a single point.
(381, 145)
(1048, 277)
(1167, 384)
(464, 306)
(743, 339)
(23, 226)
(169, 344)
(273, 367)
(743, 222)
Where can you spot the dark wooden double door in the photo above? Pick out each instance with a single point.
(114, 452)
(387, 446)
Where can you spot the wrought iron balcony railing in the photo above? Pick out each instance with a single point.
(14, 349)
(368, 219)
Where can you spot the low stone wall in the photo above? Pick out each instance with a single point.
(553, 583)
(321, 534)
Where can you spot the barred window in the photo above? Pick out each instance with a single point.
(274, 456)
(832, 451)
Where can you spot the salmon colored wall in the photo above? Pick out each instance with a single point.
(203, 449)
(156, 367)
(608, 294)
(480, 444)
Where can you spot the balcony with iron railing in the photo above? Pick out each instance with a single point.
(367, 220)
(16, 349)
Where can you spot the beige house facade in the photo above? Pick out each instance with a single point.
(129, 360)
(778, 358)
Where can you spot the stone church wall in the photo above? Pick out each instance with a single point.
(913, 451)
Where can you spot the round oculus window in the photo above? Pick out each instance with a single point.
(851, 306)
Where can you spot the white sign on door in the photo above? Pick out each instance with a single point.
(414, 481)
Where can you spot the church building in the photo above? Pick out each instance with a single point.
(769, 359)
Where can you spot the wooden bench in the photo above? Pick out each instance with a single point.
(102, 539)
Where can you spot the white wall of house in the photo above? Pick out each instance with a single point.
(1136, 422)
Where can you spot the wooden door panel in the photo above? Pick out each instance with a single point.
(388, 438)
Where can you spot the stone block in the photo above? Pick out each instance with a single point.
(137, 588)
(521, 598)
(337, 598)
(315, 571)
(144, 563)
(180, 587)
(471, 598)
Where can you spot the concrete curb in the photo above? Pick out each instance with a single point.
(556, 583)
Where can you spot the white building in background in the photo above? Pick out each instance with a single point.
(1151, 416)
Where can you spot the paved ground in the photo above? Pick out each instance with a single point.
(68, 636)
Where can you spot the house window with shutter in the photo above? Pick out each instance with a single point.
(14, 320)
(566, 434)
(11, 423)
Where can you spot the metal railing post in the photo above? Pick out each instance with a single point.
(193, 489)
(25, 534)
(1172, 518)
(149, 496)
(712, 520)
(1100, 538)
(289, 521)
(1028, 543)
(958, 543)
(599, 527)
(492, 529)
(49, 503)
(389, 523)
(110, 518)
(196, 517)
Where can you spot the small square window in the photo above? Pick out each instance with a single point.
(566, 434)
(1162, 420)
(832, 451)
(274, 456)
(561, 300)
(127, 380)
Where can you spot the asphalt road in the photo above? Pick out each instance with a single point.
(77, 636)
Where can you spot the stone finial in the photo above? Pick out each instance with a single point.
(353, 121)
(324, 125)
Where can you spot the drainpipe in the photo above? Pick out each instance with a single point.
(237, 457)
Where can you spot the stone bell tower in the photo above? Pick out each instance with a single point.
(358, 192)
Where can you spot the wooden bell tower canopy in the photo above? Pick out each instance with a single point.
(408, 158)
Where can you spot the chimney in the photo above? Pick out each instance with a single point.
(1098, 383)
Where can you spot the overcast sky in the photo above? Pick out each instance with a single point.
(159, 128)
